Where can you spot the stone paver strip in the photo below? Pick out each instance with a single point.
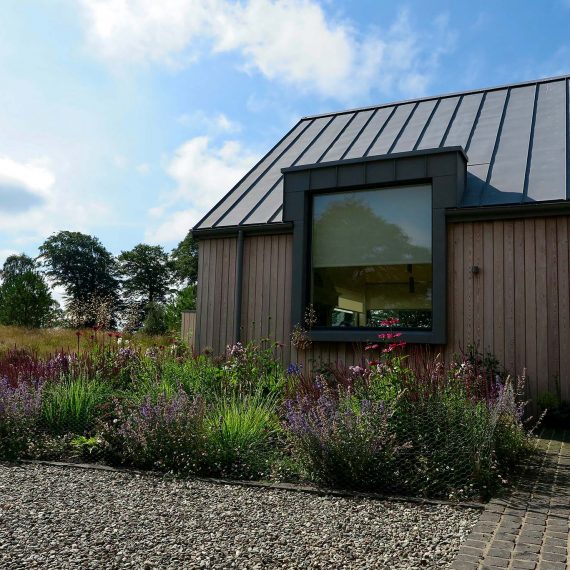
(530, 529)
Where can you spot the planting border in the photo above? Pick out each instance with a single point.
(296, 488)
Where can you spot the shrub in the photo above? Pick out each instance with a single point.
(71, 406)
(20, 407)
(241, 433)
(166, 434)
(343, 441)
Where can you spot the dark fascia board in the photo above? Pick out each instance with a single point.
(508, 211)
(274, 228)
(383, 157)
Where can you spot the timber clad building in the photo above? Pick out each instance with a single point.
(450, 213)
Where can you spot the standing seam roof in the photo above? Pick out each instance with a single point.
(517, 139)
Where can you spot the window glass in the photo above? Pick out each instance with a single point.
(372, 257)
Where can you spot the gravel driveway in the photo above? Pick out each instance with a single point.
(53, 517)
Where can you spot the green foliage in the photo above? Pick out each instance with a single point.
(183, 300)
(239, 436)
(185, 260)
(82, 266)
(167, 434)
(25, 298)
(72, 405)
(85, 447)
(155, 320)
(146, 273)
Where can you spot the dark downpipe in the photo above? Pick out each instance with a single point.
(239, 287)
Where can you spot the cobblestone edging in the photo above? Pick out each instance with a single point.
(530, 528)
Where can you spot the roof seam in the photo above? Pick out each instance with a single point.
(475, 122)
(428, 122)
(453, 115)
(260, 201)
(444, 96)
(337, 137)
(228, 194)
(251, 186)
(272, 218)
(315, 139)
(403, 128)
(388, 119)
(530, 145)
(496, 145)
(367, 122)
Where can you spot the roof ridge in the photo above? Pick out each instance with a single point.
(441, 96)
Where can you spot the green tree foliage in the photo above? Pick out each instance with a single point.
(25, 298)
(81, 265)
(183, 300)
(185, 260)
(146, 272)
(155, 319)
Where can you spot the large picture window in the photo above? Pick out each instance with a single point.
(371, 257)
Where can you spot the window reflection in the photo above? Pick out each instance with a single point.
(371, 257)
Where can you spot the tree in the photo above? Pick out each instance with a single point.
(25, 298)
(185, 260)
(147, 273)
(85, 269)
(183, 300)
(17, 265)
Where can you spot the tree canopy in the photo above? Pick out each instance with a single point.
(25, 298)
(80, 264)
(146, 273)
(185, 260)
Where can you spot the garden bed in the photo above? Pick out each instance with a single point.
(56, 517)
(396, 424)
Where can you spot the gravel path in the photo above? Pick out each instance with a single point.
(52, 517)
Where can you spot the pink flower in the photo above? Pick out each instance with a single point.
(371, 347)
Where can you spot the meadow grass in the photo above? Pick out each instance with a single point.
(49, 341)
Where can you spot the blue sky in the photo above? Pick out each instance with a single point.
(128, 119)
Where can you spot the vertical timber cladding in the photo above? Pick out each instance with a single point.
(266, 294)
(216, 294)
(518, 305)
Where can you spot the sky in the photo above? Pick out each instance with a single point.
(129, 119)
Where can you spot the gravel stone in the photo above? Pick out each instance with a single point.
(53, 517)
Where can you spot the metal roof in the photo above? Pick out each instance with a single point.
(517, 138)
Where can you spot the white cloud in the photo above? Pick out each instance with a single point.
(293, 42)
(33, 205)
(211, 124)
(203, 174)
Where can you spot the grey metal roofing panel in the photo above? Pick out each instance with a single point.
(439, 123)
(506, 181)
(486, 130)
(416, 125)
(371, 130)
(323, 142)
(252, 177)
(547, 172)
(516, 138)
(462, 125)
(392, 129)
(273, 175)
(266, 208)
(347, 137)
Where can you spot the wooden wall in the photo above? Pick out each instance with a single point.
(188, 329)
(266, 298)
(517, 306)
(216, 294)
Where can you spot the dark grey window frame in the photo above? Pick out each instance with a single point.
(444, 168)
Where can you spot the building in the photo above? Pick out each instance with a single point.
(450, 213)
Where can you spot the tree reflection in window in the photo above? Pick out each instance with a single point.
(371, 257)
